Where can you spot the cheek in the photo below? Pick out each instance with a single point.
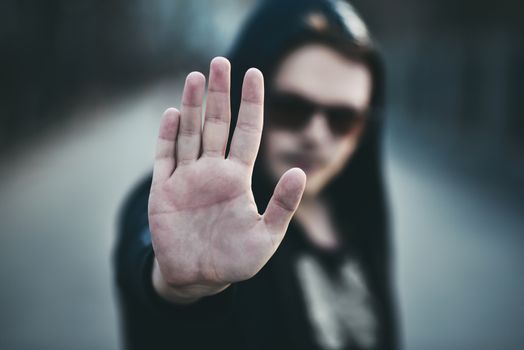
(341, 150)
(345, 150)
(347, 144)
(274, 143)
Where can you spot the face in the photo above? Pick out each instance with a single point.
(317, 139)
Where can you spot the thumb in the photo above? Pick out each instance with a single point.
(285, 200)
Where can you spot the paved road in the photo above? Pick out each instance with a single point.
(459, 245)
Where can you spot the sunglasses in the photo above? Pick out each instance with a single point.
(291, 111)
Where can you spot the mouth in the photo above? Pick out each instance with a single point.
(305, 162)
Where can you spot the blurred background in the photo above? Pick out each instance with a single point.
(83, 85)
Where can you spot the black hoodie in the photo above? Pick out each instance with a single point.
(304, 298)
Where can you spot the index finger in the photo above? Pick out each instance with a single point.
(248, 130)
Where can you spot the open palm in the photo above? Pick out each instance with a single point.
(205, 225)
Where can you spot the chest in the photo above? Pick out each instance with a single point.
(337, 304)
(304, 305)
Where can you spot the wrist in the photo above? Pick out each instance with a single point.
(185, 294)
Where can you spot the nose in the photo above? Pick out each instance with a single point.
(317, 129)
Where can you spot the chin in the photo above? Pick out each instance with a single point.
(314, 186)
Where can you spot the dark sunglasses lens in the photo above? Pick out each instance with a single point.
(288, 111)
(342, 120)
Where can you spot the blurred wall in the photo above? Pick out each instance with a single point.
(456, 72)
(56, 52)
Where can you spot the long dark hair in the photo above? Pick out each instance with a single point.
(275, 29)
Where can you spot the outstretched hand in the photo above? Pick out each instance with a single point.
(206, 229)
